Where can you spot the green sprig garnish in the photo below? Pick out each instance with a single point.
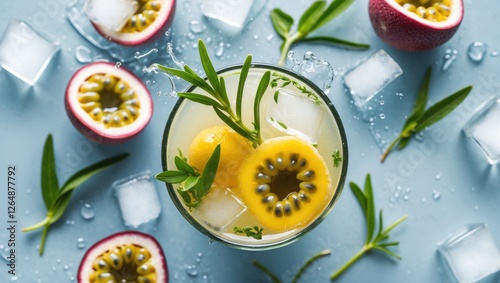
(57, 198)
(254, 232)
(194, 186)
(373, 241)
(282, 81)
(420, 118)
(316, 16)
(218, 97)
(336, 158)
(299, 273)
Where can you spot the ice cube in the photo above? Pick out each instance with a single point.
(295, 114)
(219, 208)
(137, 198)
(371, 76)
(110, 14)
(25, 53)
(232, 13)
(470, 253)
(483, 129)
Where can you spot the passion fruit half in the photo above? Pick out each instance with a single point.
(285, 183)
(152, 19)
(415, 25)
(124, 257)
(107, 104)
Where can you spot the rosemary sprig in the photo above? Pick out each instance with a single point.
(194, 186)
(57, 198)
(254, 232)
(316, 16)
(218, 97)
(299, 273)
(373, 242)
(420, 118)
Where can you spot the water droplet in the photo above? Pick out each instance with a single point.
(13, 279)
(256, 37)
(83, 54)
(28, 191)
(382, 116)
(449, 58)
(170, 52)
(424, 199)
(476, 208)
(80, 243)
(58, 260)
(436, 195)
(26, 212)
(270, 37)
(138, 54)
(473, 189)
(438, 177)
(476, 51)
(191, 270)
(220, 50)
(382, 102)
(118, 64)
(167, 33)
(494, 53)
(197, 26)
(66, 267)
(87, 212)
(406, 197)
(400, 94)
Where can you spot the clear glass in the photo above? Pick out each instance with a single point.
(372, 75)
(137, 198)
(189, 118)
(470, 253)
(24, 52)
(483, 129)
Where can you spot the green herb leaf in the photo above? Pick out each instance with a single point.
(183, 166)
(366, 201)
(311, 16)
(261, 89)
(299, 273)
(337, 159)
(312, 19)
(172, 176)
(208, 175)
(49, 183)
(217, 96)
(57, 199)
(282, 22)
(336, 41)
(420, 118)
(439, 110)
(254, 232)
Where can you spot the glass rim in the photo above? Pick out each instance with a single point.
(302, 232)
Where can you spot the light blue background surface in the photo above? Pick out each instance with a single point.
(443, 160)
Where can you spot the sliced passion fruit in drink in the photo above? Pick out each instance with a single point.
(124, 257)
(285, 183)
(233, 150)
(415, 25)
(152, 19)
(108, 104)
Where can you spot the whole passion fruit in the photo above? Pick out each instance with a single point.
(152, 19)
(107, 104)
(124, 257)
(415, 25)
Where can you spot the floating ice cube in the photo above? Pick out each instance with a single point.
(483, 129)
(137, 198)
(25, 53)
(232, 13)
(219, 208)
(371, 76)
(295, 114)
(110, 14)
(470, 253)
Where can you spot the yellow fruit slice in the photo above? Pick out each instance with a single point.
(285, 183)
(233, 150)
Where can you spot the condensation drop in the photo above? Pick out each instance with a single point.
(87, 212)
(80, 243)
(191, 270)
(118, 64)
(220, 50)
(476, 51)
(436, 195)
(449, 57)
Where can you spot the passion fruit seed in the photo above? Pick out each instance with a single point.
(109, 100)
(124, 264)
(145, 15)
(285, 183)
(432, 10)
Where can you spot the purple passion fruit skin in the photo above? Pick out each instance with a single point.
(151, 21)
(124, 257)
(106, 104)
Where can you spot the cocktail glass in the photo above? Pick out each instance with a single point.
(188, 118)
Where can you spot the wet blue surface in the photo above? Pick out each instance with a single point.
(440, 180)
